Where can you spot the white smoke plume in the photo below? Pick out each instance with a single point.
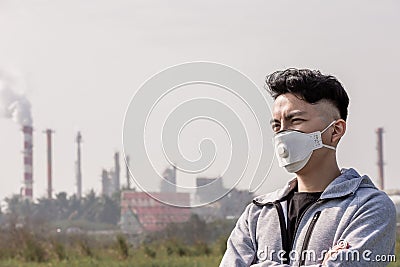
(13, 105)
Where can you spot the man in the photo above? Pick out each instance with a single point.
(324, 216)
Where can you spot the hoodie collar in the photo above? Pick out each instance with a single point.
(345, 184)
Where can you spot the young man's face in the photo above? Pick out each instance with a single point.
(291, 113)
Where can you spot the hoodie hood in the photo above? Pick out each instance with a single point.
(345, 184)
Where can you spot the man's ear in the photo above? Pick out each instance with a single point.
(339, 129)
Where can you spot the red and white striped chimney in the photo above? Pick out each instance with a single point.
(28, 169)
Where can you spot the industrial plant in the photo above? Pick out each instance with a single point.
(123, 205)
(110, 179)
(140, 212)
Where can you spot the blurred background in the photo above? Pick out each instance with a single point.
(68, 70)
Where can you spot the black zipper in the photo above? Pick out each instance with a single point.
(284, 234)
(285, 239)
(299, 220)
(286, 246)
(307, 237)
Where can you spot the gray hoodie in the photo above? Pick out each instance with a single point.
(351, 212)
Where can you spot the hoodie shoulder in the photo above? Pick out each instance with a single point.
(367, 192)
(368, 195)
(267, 198)
(275, 195)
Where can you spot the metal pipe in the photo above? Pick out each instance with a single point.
(48, 133)
(78, 166)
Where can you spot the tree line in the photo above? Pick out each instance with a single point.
(92, 208)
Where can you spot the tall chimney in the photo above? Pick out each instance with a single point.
(128, 175)
(380, 158)
(49, 164)
(116, 172)
(78, 166)
(28, 159)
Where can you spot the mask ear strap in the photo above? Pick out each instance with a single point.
(330, 147)
(327, 127)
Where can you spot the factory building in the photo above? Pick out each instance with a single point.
(110, 182)
(142, 213)
(168, 184)
(210, 190)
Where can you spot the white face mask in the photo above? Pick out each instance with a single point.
(293, 148)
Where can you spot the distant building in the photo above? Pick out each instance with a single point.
(234, 203)
(130, 222)
(110, 179)
(221, 203)
(168, 184)
(142, 213)
(105, 183)
(208, 189)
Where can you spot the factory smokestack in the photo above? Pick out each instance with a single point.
(116, 172)
(17, 107)
(49, 164)
(78, 166)
(381, 184)
(128, 175)
(28, 159)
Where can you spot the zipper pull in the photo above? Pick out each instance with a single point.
(316, 215)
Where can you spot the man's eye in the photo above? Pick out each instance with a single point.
(275, 127)
(297, 120)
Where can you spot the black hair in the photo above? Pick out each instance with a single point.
(310, 86)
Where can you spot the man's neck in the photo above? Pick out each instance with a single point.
(317, 179)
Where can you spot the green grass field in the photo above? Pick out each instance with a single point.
(112, 258)
(199, 261)
(119, 253)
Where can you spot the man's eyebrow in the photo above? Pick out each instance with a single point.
(294, 113)
(288, 116)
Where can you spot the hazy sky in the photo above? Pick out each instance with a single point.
(80, 62)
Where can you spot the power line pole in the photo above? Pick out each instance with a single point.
(381, 185)
(78, 166)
